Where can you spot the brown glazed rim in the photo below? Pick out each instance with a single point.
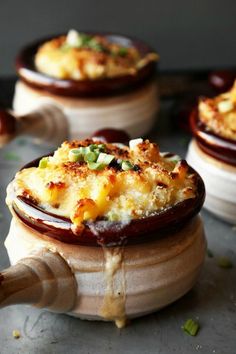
(85, 88)
(220, 148)
(102, 232)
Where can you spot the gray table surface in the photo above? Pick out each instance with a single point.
(212, 301)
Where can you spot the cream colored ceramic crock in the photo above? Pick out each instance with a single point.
(135, 112)
(101, 283)
(113, 270)
(220, 181)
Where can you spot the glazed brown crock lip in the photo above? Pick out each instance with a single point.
(102, 232)
(85, 88)
(220, 148)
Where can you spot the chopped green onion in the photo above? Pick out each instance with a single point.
(191, 327)
(83, 150)
(81, 40)
(224, 262)
(96, 166)
(75, 155)
(126, 165)
(90, 157)
(123, 52)
(210, 253)
(101, 147)
(95, 45)
(43, 162)
(105, 158)
(77, 40)
(84, 40)
(93, 147)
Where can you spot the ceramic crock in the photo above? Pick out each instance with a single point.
(214, 157)
(129, 102)
(114, 272)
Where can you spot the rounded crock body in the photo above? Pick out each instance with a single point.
(114, 283)
(220, 180)
(134, 111)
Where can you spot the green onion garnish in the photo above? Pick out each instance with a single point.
(43, 162)
(90, 154)
(191, 327)
(90, 157)
(75, 155)
(84, 149)
(126, 165)
(95, 45)
(83, 40)
(96, 166)
(105, 158)
(224, 262)
(102, 147)
(123, 52)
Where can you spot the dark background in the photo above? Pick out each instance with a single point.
(188, 34)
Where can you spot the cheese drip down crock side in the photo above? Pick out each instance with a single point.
(125, 193)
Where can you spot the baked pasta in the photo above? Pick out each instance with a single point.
(79, 56)
(218, 114)
(91, 180)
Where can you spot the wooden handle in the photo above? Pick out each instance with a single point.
(47, 124)
(44, 280)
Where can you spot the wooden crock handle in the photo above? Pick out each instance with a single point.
(43, 279)
(47, 123)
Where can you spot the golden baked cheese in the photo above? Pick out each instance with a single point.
(90, 180)
(79, 56)
(219, 113)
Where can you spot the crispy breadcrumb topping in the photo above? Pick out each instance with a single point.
(152, 182)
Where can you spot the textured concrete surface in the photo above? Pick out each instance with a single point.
(212, 301)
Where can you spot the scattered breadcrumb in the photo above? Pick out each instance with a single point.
(16, 334)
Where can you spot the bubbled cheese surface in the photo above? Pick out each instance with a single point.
(73, 190)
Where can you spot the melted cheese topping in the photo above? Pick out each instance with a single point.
(73, 190)
(219, 114)
(63, 58)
